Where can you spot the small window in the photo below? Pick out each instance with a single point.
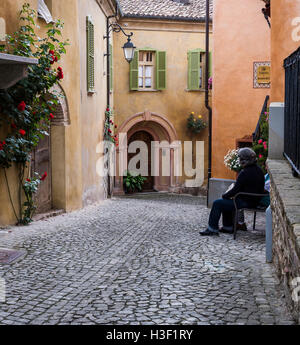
(201, 70)
(146, 70)
(197, 70)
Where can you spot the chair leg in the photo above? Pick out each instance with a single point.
(235, 224)
(254, 220)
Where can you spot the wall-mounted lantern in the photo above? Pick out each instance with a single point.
(128, 47)
(267, 11)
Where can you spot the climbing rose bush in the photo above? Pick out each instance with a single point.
(26, 108)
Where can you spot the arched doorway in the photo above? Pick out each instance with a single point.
(161, 130)
(49, 156)
(41, 163)
(146, 138)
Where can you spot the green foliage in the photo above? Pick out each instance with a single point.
(133, 183)
(30, 188)
(196, 125)
(26, 107)
(109, 127)
(260, 146)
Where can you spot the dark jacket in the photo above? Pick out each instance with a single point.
(250, 180)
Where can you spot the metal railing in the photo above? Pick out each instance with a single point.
(292, 111)
(257, 133)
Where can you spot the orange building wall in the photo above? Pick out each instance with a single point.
(285, 38)
(241, 37)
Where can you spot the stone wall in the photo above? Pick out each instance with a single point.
(285, 204)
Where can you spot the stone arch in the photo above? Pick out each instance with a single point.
(161, 129)
(147, 117)
(58, 147)
(61, 111)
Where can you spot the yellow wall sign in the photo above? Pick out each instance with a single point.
(262, 74)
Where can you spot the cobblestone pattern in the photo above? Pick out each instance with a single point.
(139, 260)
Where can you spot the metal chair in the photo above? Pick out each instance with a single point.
(259, 208)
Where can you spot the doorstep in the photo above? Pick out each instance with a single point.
(51, 213)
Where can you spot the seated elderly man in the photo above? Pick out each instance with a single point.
(250, 180)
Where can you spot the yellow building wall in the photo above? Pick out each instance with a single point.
(241, 37)
(92, 106)
(175, 103)
(74, 180)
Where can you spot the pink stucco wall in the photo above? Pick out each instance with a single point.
(241, 37)
(285, 38)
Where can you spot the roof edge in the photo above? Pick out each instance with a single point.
(185, 19)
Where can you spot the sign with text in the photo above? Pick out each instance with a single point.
(262, 75)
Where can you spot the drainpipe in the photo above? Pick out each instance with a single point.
(206, 94)
(108, 80)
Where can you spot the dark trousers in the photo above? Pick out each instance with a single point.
(224, 207)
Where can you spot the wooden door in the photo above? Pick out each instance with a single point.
(146, 138)
(41, 163)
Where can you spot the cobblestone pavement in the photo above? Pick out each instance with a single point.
(138, 260)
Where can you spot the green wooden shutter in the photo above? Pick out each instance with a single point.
(193, 69)
(90, 55)
(161, 70)
(111, 67)
(134, 72)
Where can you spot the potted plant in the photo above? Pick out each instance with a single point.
(196, 124)
(133, 182)
(232, 161)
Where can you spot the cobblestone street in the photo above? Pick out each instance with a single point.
(139, 260)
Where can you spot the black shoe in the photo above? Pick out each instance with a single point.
(226, 231)
(207, 232)
(242, 227)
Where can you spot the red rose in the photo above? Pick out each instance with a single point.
(13, 125)
(28, 180)
(1, 145)
(116, 126)
(51, 52)
(60, 75)
(107, 109)
(22, 132)
(44, 176)
(22, 106)
(51, 116)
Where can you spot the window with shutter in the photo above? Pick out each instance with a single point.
(148, 70)
(90, 55)
(161, 71)
(196, 69)
(134, 72)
